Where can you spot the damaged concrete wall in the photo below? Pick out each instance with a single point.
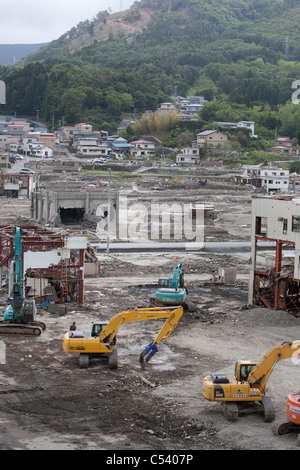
(69, 206)
(275, 219)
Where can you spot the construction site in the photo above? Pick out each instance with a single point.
(171, 384)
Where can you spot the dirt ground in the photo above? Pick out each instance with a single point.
(48, 403)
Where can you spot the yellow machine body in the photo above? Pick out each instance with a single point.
(85, 345)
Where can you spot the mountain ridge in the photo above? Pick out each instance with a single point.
(231, 52)
(11, 53)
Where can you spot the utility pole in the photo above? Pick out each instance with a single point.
(169, 8)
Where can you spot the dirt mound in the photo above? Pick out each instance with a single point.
(265, 317)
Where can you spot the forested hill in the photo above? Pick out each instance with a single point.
(242, 56)
(151, 28)
(10, 53)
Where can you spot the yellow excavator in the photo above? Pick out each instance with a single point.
(101, 342)
(248, 388)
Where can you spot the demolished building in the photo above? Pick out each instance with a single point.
(52, 264)
(275, 275)
(70, 204)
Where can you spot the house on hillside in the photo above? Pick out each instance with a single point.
(167, 107)
(211, 138)
(91, 147)
(120, 146)
(284, 146)
(188, 156)
(240, 124)
(142, 148)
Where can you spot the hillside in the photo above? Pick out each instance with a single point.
(242, 57)
(261, 26)
(10, 53)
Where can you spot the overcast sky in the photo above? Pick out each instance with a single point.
(34, 21)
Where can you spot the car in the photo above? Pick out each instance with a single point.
(26, 171)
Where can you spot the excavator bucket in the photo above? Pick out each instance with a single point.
(148, 353)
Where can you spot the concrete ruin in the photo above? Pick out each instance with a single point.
(71, 204)
(275, 280)
(17, 185)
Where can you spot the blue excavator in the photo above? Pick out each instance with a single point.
(20, 315)
(172, 291)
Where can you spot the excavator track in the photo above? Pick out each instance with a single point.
(230, 411)
(187, 305)
(33, 329)
(284, 427)
(269, 410)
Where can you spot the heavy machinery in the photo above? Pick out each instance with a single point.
(292, 423)
(20, 315)
(248, 388)
(172, 291)
(101, 342)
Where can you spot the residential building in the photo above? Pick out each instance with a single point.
(189, 155)
(189, 107)
(167, 107)
(120, 146)
(240, 124)
(142, 148)
(284, 146)
(91, 147)
(274, 179)
(211, 138)
(3, 160)
(18, 186)
(269, 179)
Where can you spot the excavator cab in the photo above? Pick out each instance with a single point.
(97, 327)
(243, 369)
(164, 282)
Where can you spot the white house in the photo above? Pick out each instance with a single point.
(235, 125)
(142, 148)
(41, 151)
(189, 155)
(91, 147)
(271, 179)
(274, 179)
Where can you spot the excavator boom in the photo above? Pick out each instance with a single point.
(264, 368)
(172, 316)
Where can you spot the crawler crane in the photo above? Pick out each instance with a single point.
(249, 385)
(101, 342)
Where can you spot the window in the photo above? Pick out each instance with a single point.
(296, 223)
(261, 225)
(285, 225)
